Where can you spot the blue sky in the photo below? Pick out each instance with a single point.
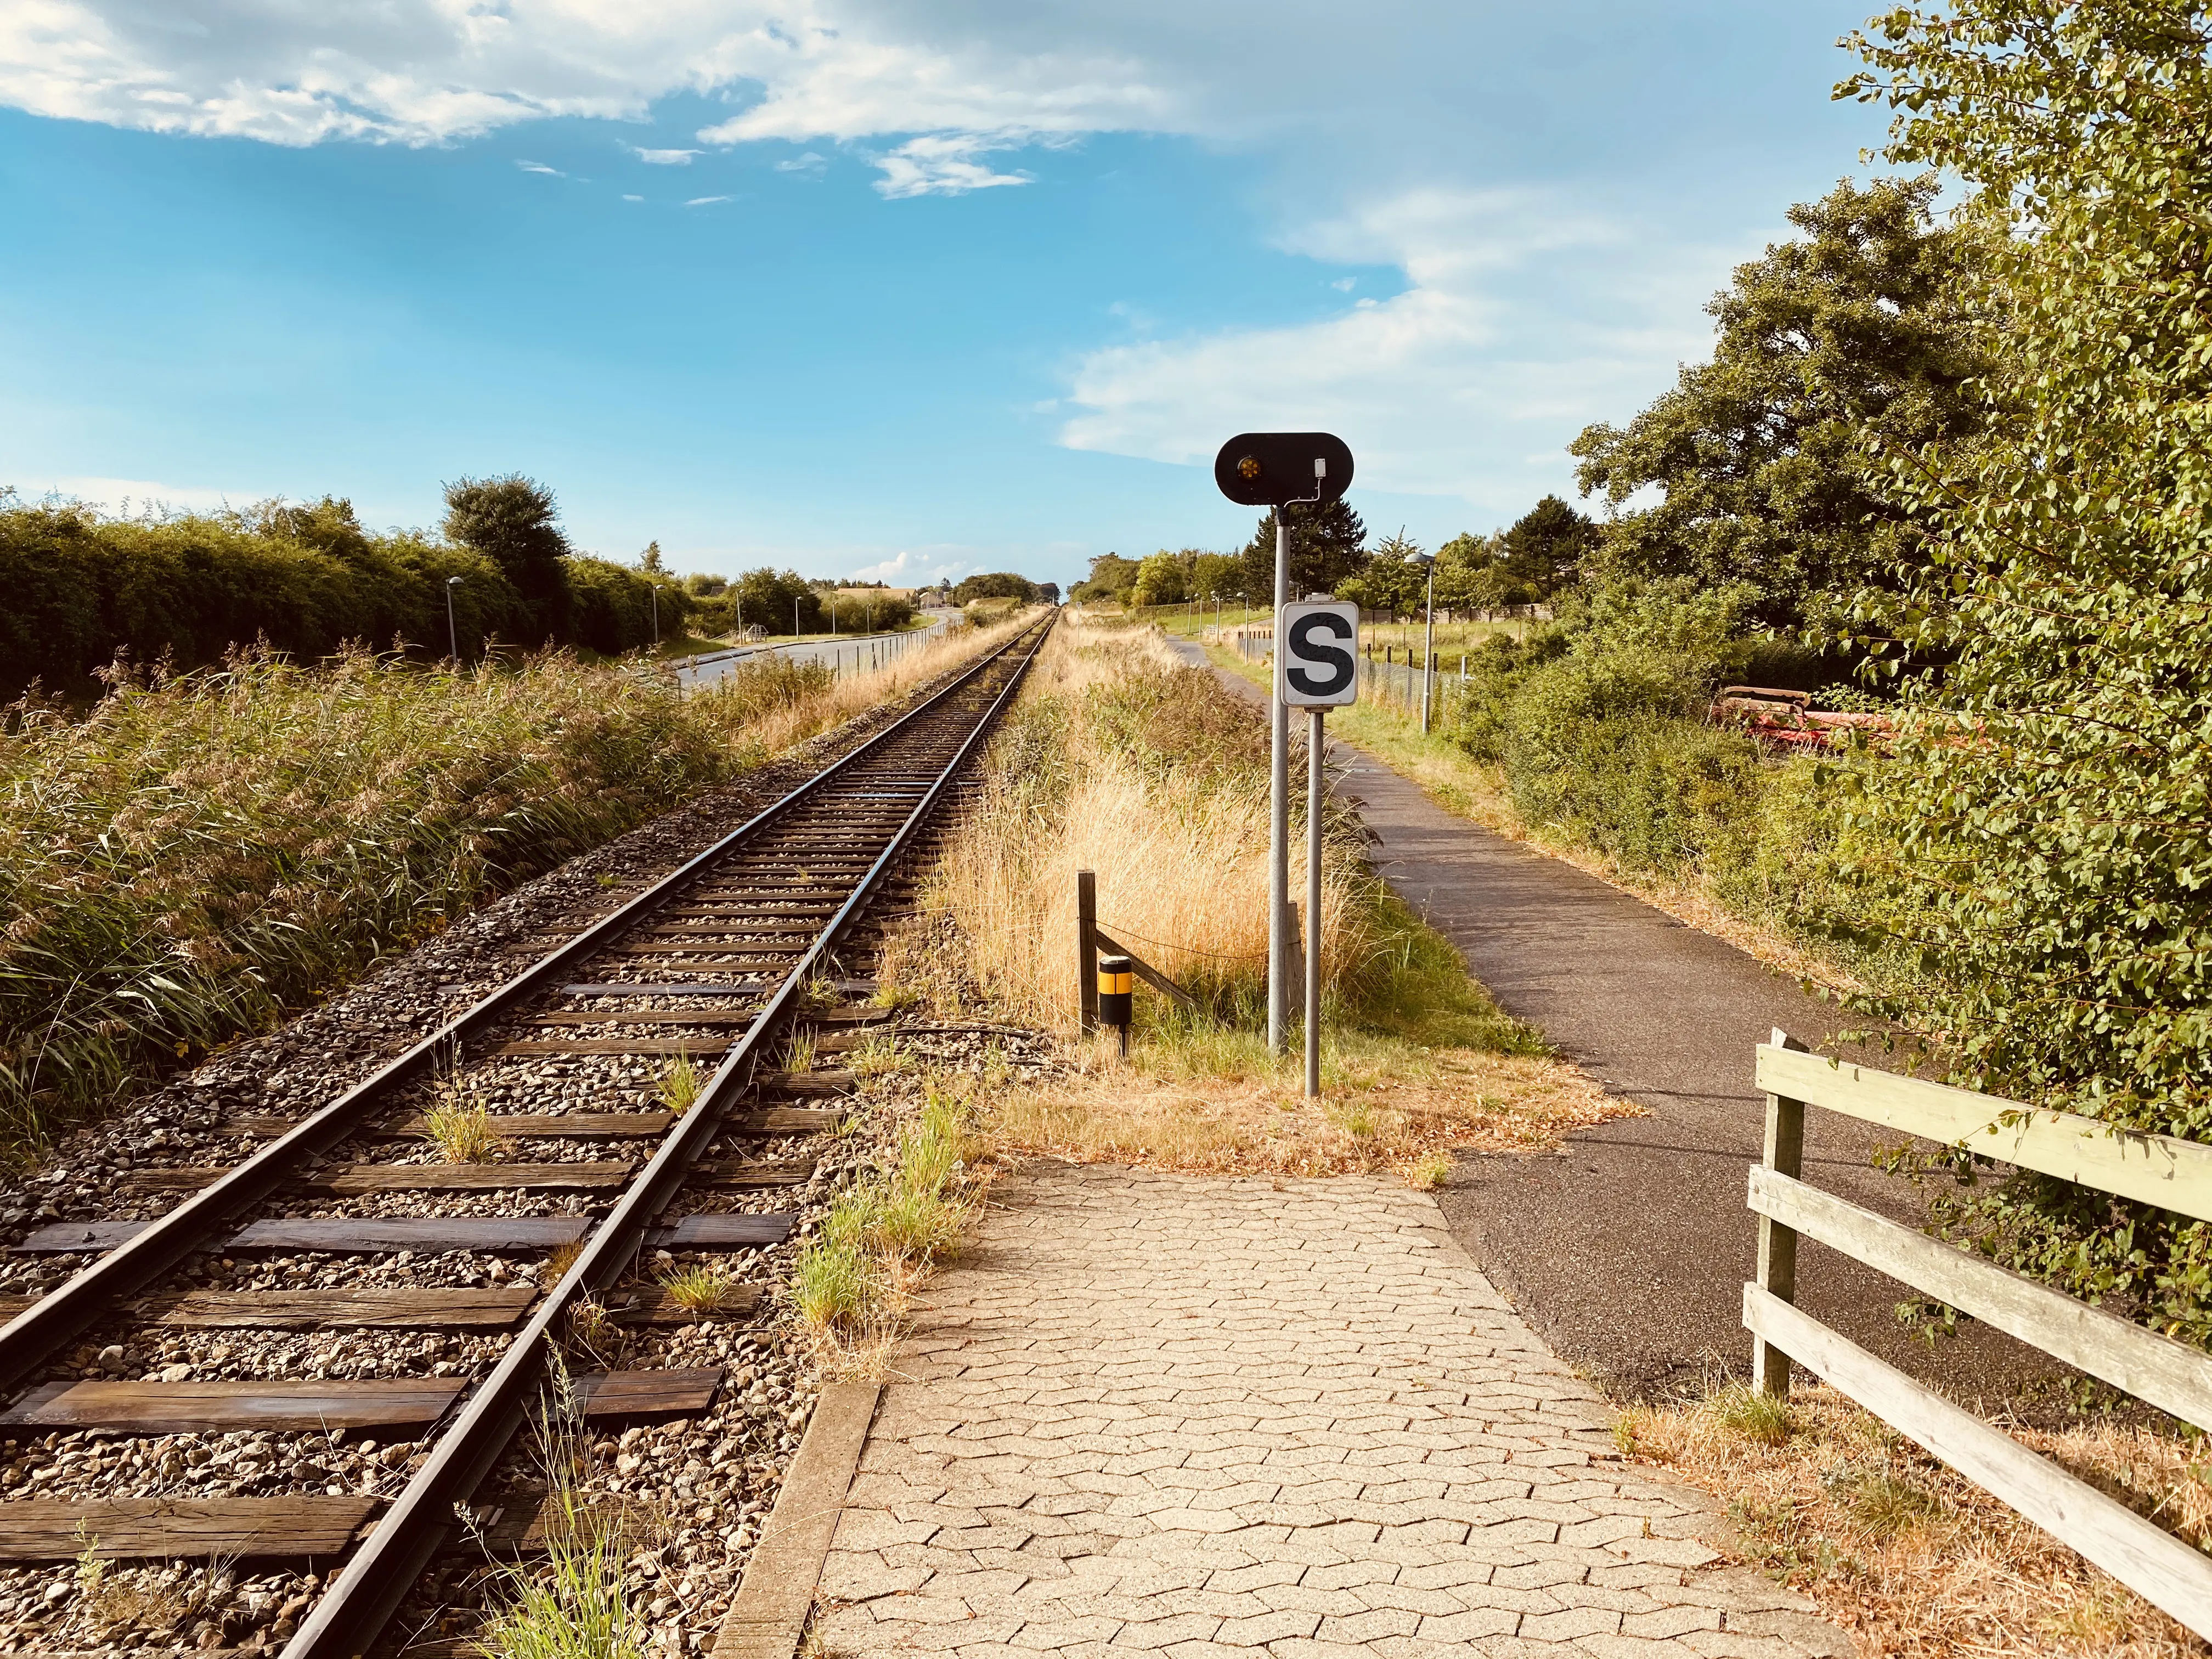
(868, 287)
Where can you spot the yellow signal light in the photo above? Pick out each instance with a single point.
(1248, 468)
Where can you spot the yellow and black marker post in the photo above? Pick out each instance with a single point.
(1117, 985)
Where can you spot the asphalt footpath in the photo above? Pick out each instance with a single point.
(1629, 1249)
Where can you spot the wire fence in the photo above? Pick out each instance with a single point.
(1386, 682)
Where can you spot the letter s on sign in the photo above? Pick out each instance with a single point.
(1317, 663)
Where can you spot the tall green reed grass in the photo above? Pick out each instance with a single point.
(198, 854)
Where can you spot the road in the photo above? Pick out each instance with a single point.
(844, 649)
(1628, 1251)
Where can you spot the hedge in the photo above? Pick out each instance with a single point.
(83, 588)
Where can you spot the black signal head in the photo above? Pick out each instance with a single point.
(1268, 469)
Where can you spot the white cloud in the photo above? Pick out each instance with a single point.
(708, 201)
(665, 158)
(1521, 321)
(428, 71)
(137, 495)
(945, 164)
(812, 164)
(633, 199)
(914, 567)
(540, 167)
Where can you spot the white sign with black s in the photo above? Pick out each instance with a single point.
(1317, 654)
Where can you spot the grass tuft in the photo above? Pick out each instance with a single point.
(1429, 1171)
(835, 1287)
(680, 1085)
(701, 1289)
(459, 1125)
(572, 1604)
(592, 1331)
(1749, 1414)
(1884, 1504)
(850, 1286)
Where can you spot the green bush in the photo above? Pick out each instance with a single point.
(1653, 791)
(1597, 724)
(611, 606)
(851, 613)
(2053, 796)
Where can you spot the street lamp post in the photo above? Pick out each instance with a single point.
(655, 590)
(1428, 637)
(452, 632)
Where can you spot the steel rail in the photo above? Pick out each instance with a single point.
(33, 1336)
(354, 1611)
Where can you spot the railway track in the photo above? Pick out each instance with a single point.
(486, 1258)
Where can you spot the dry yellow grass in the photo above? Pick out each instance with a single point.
(1217, 1116)
(1912, 1559)
(1181, 863)
(1123, 762)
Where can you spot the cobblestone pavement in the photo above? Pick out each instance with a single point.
(1210, 1416)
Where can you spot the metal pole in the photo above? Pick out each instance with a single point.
(1316, 777)
(655, 591)
(1428, 648)
(1086, 950)
(1279, 811)
(452, 635)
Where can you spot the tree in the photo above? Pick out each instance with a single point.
(511, 521)
(329, 523)
(1164, 578)
(1328, 543)
(2049, 808)
(1544, 549)
(1111, 577)
(1216, 576)
(772, 599)
(995, 584)
(650, 560)
(1394, 581)
(1471, 575)
(1848, 342)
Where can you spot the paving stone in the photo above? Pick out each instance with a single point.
(1213, 1419)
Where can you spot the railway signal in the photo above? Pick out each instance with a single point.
(1283, 470)
(1316, 669)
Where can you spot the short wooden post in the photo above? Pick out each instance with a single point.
(1086, 948)
(1777, 1245)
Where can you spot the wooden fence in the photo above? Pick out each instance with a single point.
(2153, 1169)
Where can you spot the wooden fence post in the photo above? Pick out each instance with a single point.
(1086, 948)
(1777, 1245)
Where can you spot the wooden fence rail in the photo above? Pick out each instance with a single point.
(2175, 1174)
